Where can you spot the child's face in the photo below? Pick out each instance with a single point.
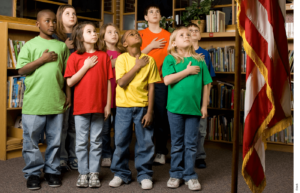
(47, 23)
(153, 15)
(132, 38)
(182, 39)
(195, 33)
(89, 34)
(69, 17)
(111, 35)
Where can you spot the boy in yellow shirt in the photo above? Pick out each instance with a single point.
(136, 74)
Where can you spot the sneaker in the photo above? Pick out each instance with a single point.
(106, 162)
(200, 163)
(94, 181)
(146, 184)
(53, 180)
(33, 183)
(73, 164)
(116, 182)
(173, 182)
(193, 184)
(160, 158)
(64, 166)
(82, 181)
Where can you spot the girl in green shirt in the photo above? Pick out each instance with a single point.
(185, 73)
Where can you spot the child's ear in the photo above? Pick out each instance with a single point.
(146, 17)
(125, 44)
(173, 44)
(37, 24)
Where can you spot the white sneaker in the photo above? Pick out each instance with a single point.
(106, 162)
(193, 184)
(160, 158)
(116, 182)
(82, 181)
(94, 181)
(173, 183)
(146, 184)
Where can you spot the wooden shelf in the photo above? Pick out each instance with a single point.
(23, 27)
(11, 68)
(289, 7)
(225, 5)
(51, 2)
(280, 143)
(290, 39)
(18, 152)
(89, 18)
(217, 34)
(40, 144)
(222, 109)
(10, 109)
(129, 13)
(220, 141)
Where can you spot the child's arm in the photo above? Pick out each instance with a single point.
(88, 63)
(209, 88)
(107, 109)
(176, 77)
(148, 118)
(68, 97)
(127, 78)
(154, 44)
(32, 66)
(205, 101)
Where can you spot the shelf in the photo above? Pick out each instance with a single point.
(280, 143)
(11, 68)
(225, 5)
(89, 18)
(17, 148)
(290, 39)
(10, 109)
(228, 72)
(217, 34)
(220, 141)
(222, 109)
(289, 7)
(51, 2)
(129, 13)
(23, 27)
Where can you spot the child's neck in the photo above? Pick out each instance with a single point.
(134, 51)
(68, 29)
(195, 44)
(89, 48)
(154, 27)
(183, 52)
(45, 36)
(111, 46)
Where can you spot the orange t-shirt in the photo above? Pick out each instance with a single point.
(158, 54)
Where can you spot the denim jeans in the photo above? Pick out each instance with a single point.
(107, 151)
(184, 135)
(144, 147)
(201, 137)
(68, 137)
(33, 126)
(160, 121)
(89, 126)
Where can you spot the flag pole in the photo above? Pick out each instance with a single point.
(236, 122)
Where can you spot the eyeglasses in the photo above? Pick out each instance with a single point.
(196, 31)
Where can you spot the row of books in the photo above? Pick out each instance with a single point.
(222, 96)
(15, 91)
(292, 94)
(291, 60)
(14, 48)
(215, 21)
(223, 59)
(284, 136)
(289, 29)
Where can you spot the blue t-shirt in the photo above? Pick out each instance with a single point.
(207, 60)
(69, 35)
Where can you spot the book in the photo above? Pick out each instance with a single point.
(221, 21)
(12, 53)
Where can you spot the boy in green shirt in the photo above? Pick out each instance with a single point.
(43, 61)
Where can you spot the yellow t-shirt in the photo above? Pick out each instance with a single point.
(136, 93)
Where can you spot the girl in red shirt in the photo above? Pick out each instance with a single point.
(110, 42)
(89, 71)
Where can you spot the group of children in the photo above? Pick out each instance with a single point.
(156, 80)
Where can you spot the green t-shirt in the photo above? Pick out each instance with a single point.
(44, 93)
(184, 97)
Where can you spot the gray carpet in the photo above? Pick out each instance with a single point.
(216, 178)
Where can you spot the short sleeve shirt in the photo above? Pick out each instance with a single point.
(113, 83)
(207, 60)
(90, 93)
(135, 94)
(44, 93)
(158, 54)
(184, 97)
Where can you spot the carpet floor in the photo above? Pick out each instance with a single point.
(216, 178)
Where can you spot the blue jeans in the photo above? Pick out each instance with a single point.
(160, 121)
(33, 126)
(68, 137)
(89, 125)
(184, 135)
(107, 151)
(201, 137)
(144, 147)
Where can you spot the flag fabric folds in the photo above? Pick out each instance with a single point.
(261, 24)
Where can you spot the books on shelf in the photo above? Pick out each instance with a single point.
(14, 47)
(15, 91)
(292, 94)
(284, 136)
(215, 21)
(291, 60)
(289, 29)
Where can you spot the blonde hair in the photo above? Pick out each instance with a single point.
(60, 30)
(173, 49)
(102, 44)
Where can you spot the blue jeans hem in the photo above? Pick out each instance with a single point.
(126, 180)
(175, 176)
(143, 177)
(187, 178)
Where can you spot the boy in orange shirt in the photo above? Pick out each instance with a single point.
(155, 44)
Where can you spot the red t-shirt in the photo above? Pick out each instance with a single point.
(90, 92)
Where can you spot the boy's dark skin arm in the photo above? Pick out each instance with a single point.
(148, 118)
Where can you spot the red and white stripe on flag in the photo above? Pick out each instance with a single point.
(267, 102)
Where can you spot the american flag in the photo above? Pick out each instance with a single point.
(267, 101)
